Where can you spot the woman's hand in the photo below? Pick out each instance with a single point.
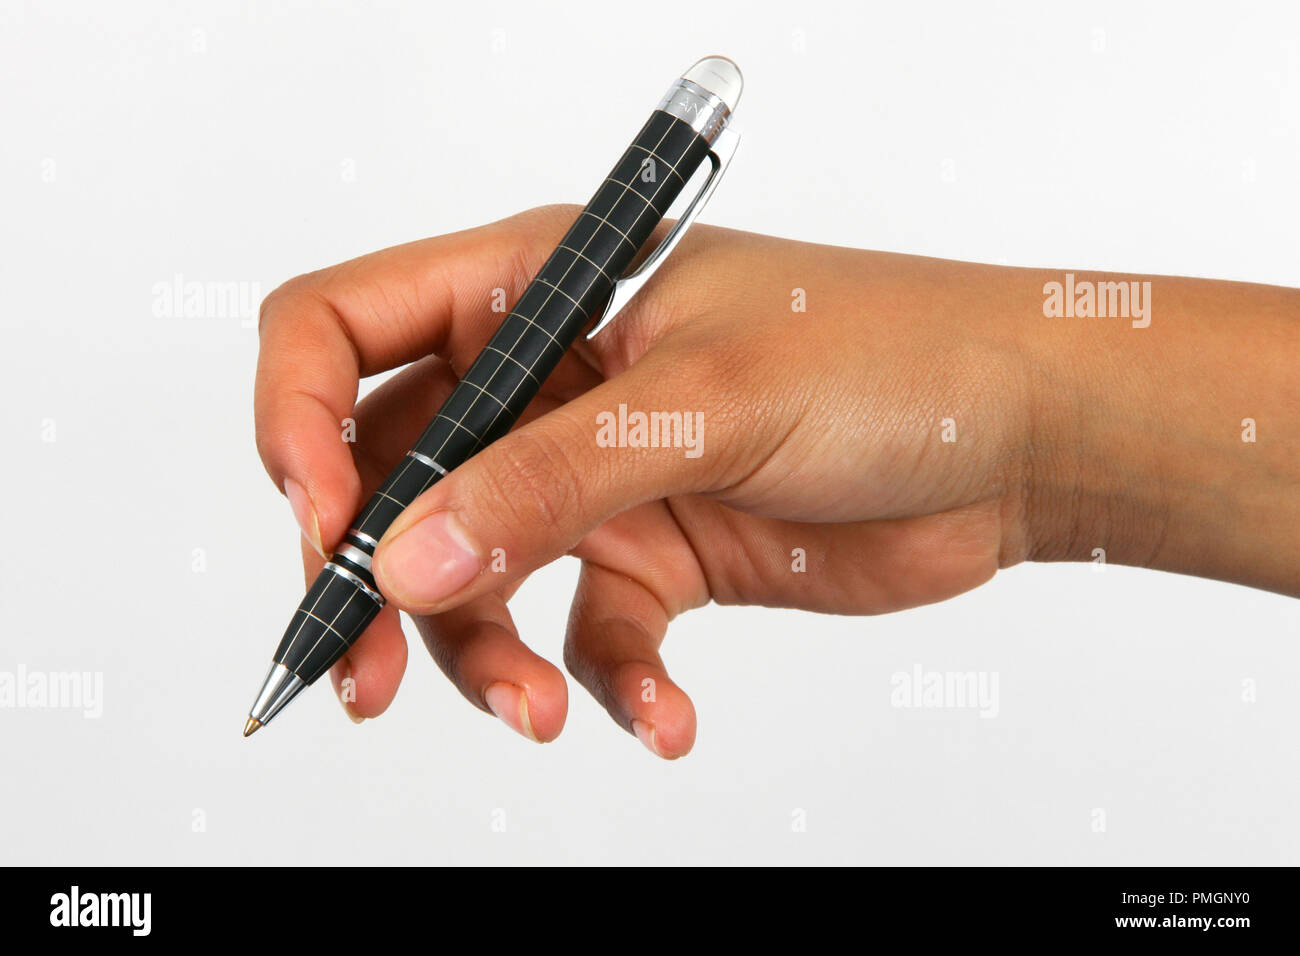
(848, 432)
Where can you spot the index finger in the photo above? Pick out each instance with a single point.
(322, 332)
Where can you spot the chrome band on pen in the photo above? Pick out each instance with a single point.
(362, 585)
(355, 555)
(362, 538)
(425, 459)
(707, 113)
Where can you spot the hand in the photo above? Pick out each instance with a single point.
(920, 425)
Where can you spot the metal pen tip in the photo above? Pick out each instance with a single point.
(252, 727)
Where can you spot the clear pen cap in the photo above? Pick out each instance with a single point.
(719, 76)
(706, 95)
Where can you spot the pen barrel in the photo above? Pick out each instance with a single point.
(335, 612)
(559, 304)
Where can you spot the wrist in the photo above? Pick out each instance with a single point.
(1170, 446)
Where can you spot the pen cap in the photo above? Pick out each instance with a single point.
(705, 96)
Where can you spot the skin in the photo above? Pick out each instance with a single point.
(822, 432)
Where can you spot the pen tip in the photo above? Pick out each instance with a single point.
(252, 727)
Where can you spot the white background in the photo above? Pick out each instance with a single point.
(145, 140)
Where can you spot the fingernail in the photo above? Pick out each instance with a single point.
(510, 703)
(348, 687)
(429, 561)
(305, 513)
(646, 734)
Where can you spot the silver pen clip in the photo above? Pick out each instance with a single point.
(721, 152)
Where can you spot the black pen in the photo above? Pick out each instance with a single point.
(584, 273)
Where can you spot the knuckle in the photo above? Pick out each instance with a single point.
(534, 479)
(550, 214)
(716, 381)
(714, 372)
(587, 673)
(575, 663)
(532, 237)
(446, 654)
(280, 300)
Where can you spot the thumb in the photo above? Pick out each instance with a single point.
(532, 495)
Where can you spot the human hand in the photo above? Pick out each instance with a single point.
(919, 426)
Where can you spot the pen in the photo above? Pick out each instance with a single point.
(584, 273)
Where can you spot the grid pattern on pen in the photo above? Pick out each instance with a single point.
(555, 308)
(331, 617)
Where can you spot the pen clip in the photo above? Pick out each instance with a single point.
(721, 152)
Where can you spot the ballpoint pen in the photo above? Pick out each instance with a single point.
(584, 273)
